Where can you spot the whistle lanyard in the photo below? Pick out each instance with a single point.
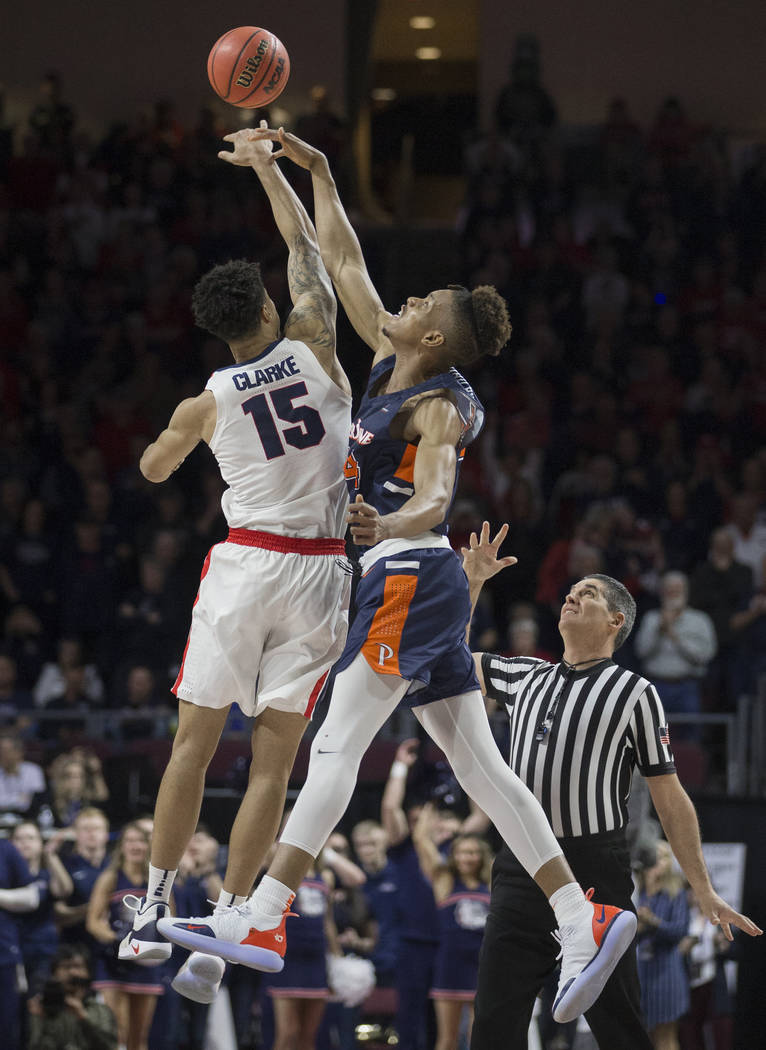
(543, 730)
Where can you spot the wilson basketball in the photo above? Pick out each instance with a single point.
(248, 67)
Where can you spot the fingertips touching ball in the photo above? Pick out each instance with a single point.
(248, 67)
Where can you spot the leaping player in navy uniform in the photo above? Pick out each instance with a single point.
(408, 640)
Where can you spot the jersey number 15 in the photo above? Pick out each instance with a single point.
(309, 431)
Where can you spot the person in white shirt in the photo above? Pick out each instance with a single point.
(20, 781)
(675, 645)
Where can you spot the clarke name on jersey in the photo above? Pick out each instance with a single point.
(271, 374)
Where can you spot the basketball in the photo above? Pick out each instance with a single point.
(248, 67)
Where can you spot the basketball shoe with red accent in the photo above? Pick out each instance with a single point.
(590, 950)
(229, 933)
(142, 943)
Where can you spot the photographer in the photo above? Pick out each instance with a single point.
(66, 1014)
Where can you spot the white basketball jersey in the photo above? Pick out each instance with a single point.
(281, 441)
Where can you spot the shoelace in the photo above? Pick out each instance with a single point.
(130, 900)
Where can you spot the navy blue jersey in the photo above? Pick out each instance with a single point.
(462, 918)
(14, 873)
(37, 929)
(381, 892)
(379, 466)
(83, 875)
(418, 917)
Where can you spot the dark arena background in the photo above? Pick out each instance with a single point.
(604, 166)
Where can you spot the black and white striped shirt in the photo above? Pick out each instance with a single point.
(577, 735)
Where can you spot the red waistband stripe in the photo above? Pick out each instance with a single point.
(270, 541)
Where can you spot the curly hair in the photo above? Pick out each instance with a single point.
(483, 324)
(228, 299)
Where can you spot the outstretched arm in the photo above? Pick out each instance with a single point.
(193, 421)
(679, 821)
(338, 242)
(312, 319)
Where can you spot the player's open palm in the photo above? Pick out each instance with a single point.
(480, 560)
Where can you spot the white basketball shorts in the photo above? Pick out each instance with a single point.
(269, 621)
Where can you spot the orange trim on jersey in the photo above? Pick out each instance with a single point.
(381, 647)
(351, 469)
(406, 469)
(314, 695)
(203, 574)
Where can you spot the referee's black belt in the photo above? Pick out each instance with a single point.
(573, 843)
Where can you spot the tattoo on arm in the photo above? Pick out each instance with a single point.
(311, 292)
(305, 269)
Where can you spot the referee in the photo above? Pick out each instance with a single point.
(577, 730)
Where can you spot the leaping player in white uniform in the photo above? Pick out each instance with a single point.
(271, 614)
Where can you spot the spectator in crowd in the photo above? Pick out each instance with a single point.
(675, 645)
(141, 698)
(708, 1022)
(130, 991)
(52, 681)
(356, 931)
(749, 535)
(461, 889)
(381, 891)
(300, 991)
(15, 702)
(663, 922)
(66, 1013)
(418, 918)
(84, 863)
(20, 781)
(18, 894)
(722, 587)
(76, 781)
(37, 929)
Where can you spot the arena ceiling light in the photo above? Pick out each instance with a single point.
(428, 54)
(422, 22)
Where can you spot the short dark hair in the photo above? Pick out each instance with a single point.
(67, 952)
(227, 301)
(483, 324)
(618, 599)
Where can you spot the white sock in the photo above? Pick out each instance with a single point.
(569, 903)
(160, 883)
(268, 903)
(228, 900)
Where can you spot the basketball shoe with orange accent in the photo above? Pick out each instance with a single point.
(229, 933)
(590, 950)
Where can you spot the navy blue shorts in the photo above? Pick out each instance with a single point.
(412, 610)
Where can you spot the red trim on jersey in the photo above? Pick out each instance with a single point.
(314, 696)
(270, 541)
(202, 575)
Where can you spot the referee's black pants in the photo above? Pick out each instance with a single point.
(518, 953)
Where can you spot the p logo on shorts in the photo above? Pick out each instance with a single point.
(385, 653)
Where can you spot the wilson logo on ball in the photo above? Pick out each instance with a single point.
(247, 76)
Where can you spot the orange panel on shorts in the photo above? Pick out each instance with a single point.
(381, 649)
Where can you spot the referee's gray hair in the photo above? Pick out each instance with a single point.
(618, 599)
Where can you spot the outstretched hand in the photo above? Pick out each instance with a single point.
(248, 150)
(480, 560)
(719, 913)
(290, 146)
